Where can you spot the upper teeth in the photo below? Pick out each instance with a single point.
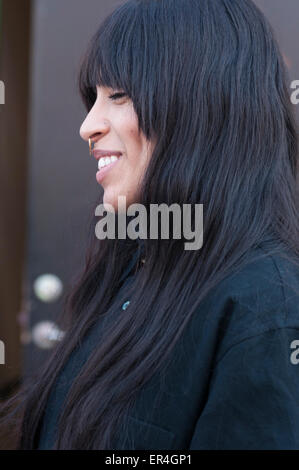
(107, 160)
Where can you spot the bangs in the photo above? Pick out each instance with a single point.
(112, 55)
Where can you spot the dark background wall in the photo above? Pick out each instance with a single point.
(14, 72)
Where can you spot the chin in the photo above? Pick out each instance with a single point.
(116, 201)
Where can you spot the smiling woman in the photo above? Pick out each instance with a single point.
(191, 348)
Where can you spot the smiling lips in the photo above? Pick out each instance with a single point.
(106, 160)
(106, 157)
(105, 153)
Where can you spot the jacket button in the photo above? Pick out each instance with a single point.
(125, 305)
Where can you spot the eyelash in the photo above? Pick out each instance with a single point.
(116, 96)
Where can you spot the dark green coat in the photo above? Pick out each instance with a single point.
(233, 382)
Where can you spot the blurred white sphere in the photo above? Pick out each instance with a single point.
(47, 287)
(45, 334)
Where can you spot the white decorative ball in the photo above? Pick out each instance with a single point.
(47, 287)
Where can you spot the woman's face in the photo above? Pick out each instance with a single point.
(112, 124)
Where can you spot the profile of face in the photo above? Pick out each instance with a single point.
(112, 124)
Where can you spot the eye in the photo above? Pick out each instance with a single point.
(117, 96)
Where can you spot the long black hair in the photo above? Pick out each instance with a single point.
(206, 79)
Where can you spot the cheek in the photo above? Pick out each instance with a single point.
(135, 148)
(128, 123)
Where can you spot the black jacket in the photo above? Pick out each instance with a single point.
(233, 379)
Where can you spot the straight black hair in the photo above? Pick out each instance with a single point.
(208, 81)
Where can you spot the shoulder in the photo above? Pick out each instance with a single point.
(262, 296)
(247, 337)
(253, 395)
(267, 278)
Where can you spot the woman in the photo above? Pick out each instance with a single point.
(192, 349)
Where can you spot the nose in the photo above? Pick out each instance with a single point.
(93, 126)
